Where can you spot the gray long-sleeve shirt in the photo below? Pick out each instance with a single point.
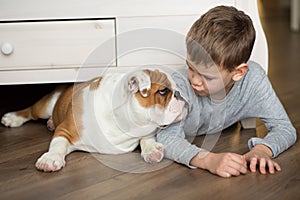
(252, 96)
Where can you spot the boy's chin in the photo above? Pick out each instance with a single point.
(213, 96)
(201, 94)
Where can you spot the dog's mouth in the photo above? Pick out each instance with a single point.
(163, 126)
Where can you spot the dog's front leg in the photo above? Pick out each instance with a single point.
(54, 159)
(152, 151)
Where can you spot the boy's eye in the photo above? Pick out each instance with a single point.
(164, 91)
(190, 68)
(208, 78)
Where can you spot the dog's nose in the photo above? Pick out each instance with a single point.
(177, 95)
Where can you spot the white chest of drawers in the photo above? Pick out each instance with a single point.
(46, 41)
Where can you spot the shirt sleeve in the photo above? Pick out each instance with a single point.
(267, 106)
(177, 147)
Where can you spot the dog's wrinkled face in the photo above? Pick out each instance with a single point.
(161, 104)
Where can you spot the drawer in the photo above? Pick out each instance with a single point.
(57, 44)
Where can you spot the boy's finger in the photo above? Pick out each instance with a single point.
(225, 175)
(253, 163)
(277, 166)
(241, 168)
(262, 165)
(239, 164)
(239, 159)
(271, 166)
(245, 161)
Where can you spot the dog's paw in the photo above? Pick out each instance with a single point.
(11, 119)
(50, 124)
(153, 153)
(50, 162)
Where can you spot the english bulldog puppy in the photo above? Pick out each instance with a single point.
(111, 114)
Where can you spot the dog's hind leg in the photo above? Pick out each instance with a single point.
(50, 124)
(41, 109)
(62, 143)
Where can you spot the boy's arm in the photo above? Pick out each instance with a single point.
(179, 149)
(281, 133)
(176, 147)
(173, 138)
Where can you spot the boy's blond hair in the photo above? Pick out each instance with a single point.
(223, 36)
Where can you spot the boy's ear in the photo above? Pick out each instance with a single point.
(239, 72)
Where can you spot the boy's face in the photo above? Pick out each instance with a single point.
(209, 81)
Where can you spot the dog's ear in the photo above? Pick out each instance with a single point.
(139, 81)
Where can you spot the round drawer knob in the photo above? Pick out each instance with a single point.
(7, 48)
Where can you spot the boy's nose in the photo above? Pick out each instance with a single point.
(197, 80)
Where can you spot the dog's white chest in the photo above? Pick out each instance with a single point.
(101, 132)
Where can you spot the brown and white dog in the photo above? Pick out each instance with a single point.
(111, 114)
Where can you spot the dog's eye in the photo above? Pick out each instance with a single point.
(164, 92)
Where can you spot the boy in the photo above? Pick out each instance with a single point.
(223, 88)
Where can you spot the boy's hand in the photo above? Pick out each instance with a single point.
(222, 164)
(261, 155)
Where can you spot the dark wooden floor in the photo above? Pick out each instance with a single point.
(85, 177)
